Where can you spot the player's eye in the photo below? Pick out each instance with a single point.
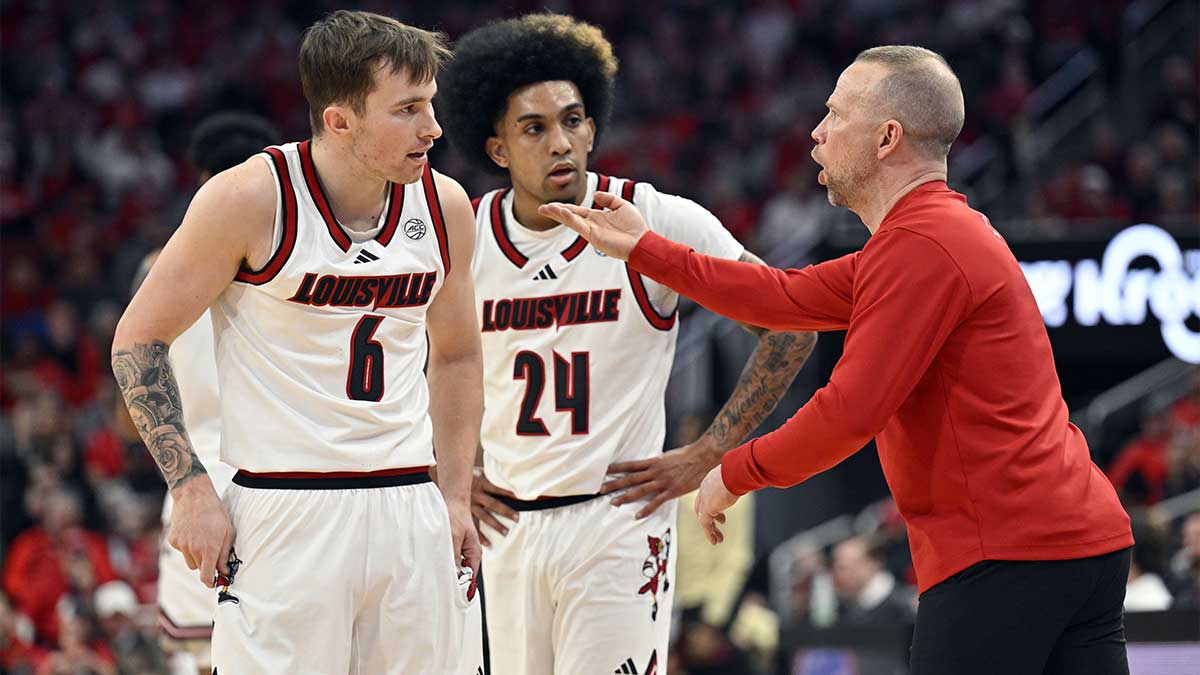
(533, 129)
(574, 121)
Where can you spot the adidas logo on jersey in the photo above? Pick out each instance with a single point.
(365, 256)
(630, 668)
(546, 273)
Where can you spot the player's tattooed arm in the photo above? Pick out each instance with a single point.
(768, 374)
(148, 384)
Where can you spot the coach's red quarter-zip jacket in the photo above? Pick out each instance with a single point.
(946, 363)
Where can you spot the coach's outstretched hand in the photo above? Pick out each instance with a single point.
(711, 503)
(614, 228)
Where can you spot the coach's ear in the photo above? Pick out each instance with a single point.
(495, 149)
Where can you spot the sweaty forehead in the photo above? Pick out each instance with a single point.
(543, 98)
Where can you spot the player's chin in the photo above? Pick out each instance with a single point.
(571, 192)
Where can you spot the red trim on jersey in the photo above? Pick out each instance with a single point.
(500, 232)
(395, 206)
(627, 190)
(288, 213)
(475, 204)
(571, 252)
(602, 182)
(439, 222)
(318, 196)
(404, 471)
(177, 632)
(643, 299)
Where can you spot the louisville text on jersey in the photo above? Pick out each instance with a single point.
(551, 311)
(395, 290)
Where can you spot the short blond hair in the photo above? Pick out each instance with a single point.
(921, 92)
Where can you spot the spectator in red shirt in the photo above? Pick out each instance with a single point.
(53, 559)
(1020, 544)
(1140, 471)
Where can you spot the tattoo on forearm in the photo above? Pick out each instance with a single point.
(767, 375)
(148, 384)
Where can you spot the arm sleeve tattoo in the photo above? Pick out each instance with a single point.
(767, 375)
(148, 384)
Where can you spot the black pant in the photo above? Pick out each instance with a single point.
(1052, 617)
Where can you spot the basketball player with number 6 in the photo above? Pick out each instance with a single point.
(326, 264)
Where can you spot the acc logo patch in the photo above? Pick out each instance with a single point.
(414, 228)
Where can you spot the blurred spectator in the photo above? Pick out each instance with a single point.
(81, 648)
(18, 654)
(1185, 564)
(52, 560)
(97, 98)
(1140, 470)
(135, 652)
(1146, 590)
(868, 594)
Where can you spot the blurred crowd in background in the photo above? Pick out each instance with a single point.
(715, 101)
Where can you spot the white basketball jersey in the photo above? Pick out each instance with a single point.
(195, 367)
(577, 348)
(320, 354)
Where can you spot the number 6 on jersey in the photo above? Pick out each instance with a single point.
(364, 381)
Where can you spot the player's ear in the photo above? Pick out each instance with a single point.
(591, 123)
(889, 135)
(496, 149)
(336, 119)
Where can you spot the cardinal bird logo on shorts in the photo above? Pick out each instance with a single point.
(654, 568)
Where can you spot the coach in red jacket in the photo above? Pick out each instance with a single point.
(1020, 544)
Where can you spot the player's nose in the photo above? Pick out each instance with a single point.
(431, 129)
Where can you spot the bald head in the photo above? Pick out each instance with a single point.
(919, 90)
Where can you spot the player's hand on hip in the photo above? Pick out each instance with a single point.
(201, 528)
(660, 479)
(711, 503)
(465, 538)
(485, 507)
(614, 228)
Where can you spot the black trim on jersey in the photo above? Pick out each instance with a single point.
(545, 502)
(638, 285)
(571, 252)
(643, 300)
(317, 193)
(500, 231)
(287, 242)
(439, 221)
(337, 482)
(392, 222)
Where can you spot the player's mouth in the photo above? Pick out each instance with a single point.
(420, 156)
(562, 174)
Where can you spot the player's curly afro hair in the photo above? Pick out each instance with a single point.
(494, 60)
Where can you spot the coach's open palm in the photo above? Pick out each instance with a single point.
(614, 229)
